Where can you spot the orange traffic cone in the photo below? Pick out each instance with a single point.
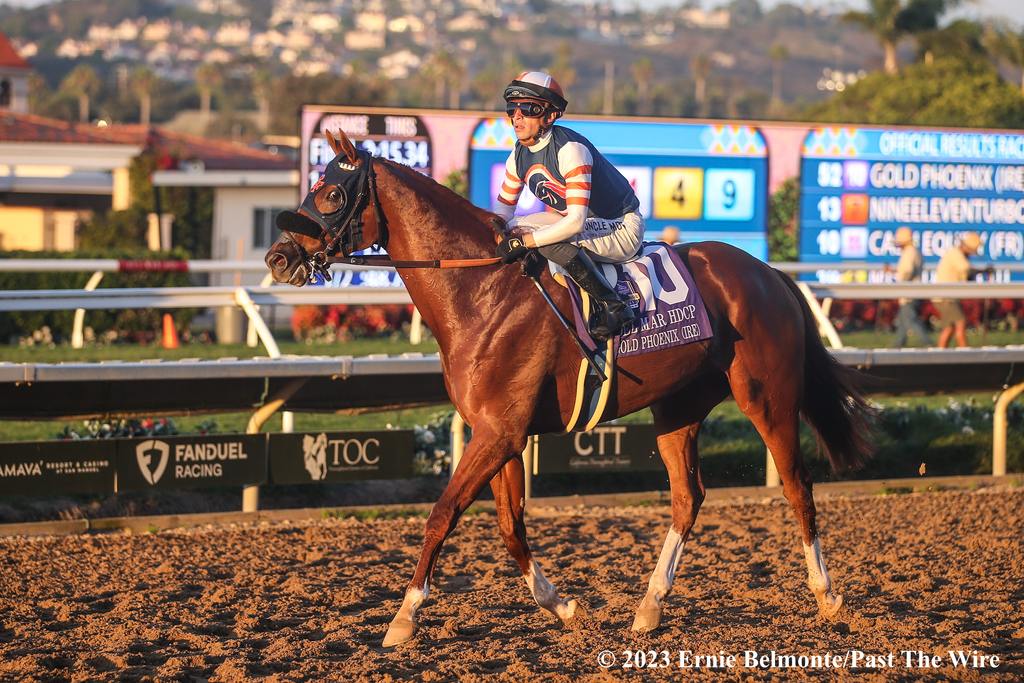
(170, 340)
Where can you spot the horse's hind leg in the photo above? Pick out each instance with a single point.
(509, 499)
(678, 421)
(776, 415)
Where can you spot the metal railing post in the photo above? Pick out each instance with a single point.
(251, 494)
(416, 327)
(251, 338)
(824, 324)
(1000, 426)
(77, 336)
(458, 441)
(771, 477)
(529, 465)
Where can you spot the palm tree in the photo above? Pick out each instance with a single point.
(1007, 44)
(142, 82)
(83, 83)
(562, 67)
(778, 53)
(892, 20)
(962, 39)
(448, 73)
(262, 87)
(700, 67)
(643, 74)
(208, 79)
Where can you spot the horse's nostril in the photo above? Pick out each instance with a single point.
(277, 261)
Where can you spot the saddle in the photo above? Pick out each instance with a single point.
(669, 313)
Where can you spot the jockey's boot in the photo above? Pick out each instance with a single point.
(610, 315)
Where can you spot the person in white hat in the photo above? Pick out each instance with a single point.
(954, 267)
(593, 213)
(908, 269)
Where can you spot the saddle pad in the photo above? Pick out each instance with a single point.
(657, 285)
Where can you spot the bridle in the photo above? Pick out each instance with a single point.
(342, 230)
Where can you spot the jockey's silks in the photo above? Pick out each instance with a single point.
(564, 169)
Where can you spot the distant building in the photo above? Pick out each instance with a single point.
(695, 16)
(14, 73)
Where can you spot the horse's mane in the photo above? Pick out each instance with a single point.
(474, 221)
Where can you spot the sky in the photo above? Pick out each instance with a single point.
(978, 9)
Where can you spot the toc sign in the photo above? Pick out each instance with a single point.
(858, 185)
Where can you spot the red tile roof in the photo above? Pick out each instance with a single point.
(216, 155)
(16, 127)
(9, 57)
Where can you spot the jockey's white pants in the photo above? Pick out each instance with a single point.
(612, 240)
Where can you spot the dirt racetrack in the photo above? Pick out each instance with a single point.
(928, 572)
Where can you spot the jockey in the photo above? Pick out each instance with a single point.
(596, 214)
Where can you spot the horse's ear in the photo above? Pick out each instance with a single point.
(342, 145)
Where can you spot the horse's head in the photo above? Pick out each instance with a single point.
(331, 219)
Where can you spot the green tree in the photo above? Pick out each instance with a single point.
(950, 92)
(893, 20)
(700, 67)
(782, 213)
(643, 75)
(1006, 44)
(209, 79)
(143, 81)
(778, 53)
(262, 90)
(82, 83)
(962, 39)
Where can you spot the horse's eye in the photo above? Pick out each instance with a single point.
(334, 196)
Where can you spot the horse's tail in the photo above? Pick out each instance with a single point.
(833, 404)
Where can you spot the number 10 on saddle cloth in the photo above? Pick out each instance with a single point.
(669, 309)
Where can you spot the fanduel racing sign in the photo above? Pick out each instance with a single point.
(311, 457)
(191, 462)
(57, 467)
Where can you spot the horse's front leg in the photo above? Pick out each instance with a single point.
(509, 502)
(489, 450)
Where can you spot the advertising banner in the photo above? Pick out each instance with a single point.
(609, 448)
(191, 462)
(859, 185)
(318, 457)
(47, 468)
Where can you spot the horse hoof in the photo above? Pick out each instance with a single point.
(399, 631)
(829, 605)
(647, 619)
(569, 611)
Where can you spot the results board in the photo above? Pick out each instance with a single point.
(858, 185)
(709, 181)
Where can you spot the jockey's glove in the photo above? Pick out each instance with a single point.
(511, 249)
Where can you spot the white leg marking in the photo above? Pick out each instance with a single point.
(546, 594)
(817, 575)
(403, 626)
(665, 571)
(648, 615)
(817, 578)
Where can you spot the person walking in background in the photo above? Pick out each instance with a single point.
(908, 269)
(954, 267)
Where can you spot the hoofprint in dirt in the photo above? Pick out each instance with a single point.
(926, 573)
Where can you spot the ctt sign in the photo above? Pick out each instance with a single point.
(608, 448)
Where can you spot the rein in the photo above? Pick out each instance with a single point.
(385, 262)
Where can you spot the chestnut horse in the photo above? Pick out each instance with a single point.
(510, 367)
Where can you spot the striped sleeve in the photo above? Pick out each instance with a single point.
(575, 163)
(512, 185)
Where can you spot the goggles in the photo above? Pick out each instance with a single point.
(530, 110)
